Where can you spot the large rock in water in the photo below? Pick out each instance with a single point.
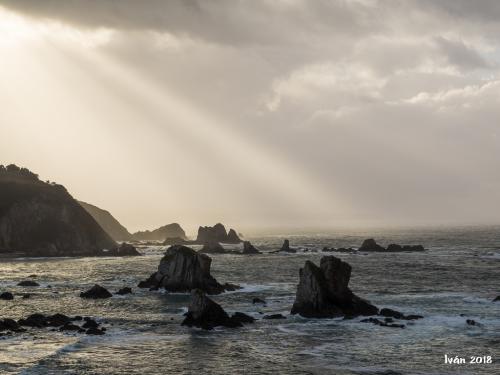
(112, 226)
(182, 269)
(42, 219)
(161, 234)
(217, 233)
(213, 247)
(248, 248)
(205, 313)
(323, 291)
(371, 245)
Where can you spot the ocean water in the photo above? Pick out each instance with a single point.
(455, 280)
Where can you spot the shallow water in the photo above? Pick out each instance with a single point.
(458, 275)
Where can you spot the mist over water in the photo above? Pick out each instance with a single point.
(458, 275)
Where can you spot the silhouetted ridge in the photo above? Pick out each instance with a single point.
(42, 219)
(112, 226)
(173, 230)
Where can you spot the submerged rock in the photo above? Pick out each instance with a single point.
(124, 290)
(96, 292)
(124, 249)
(258, 300)
(274, 316)
(213, 247)
(7, 296)
(28, 283)
(386, 323)
(323, 291)
(248, 248)
(207, 314)
(182, 269)
(175, 241)
(496, 299)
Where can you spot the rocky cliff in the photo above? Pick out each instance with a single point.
(217, 233)
(42, 219)
(107, 222)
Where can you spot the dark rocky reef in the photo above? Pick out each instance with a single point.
(96, 292)
(107, 222)
(161, 234)
(28, 283)
(217, 233)
(182, 269)
(124, 249)
(207, 314)
(370, 245)
(124, 290)
(63, 322)
(176, 241)
(213, 247)
(496, 299)
(248, 248)
(323, 291)
(42, 219)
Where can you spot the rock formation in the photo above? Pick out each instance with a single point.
(285, 248)
(496, 299)
(42, 219)
(248, 248)
(213, 247)
(28, 283)
(323, 291)
(161, 234)
(107, 222)
(96, 292)
(123, 249)
(182, 269)
(371, 246)
(207, 314)
(217, 233)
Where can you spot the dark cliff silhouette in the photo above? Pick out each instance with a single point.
(42, 219)
(104, 218)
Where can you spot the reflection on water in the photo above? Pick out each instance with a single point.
(459, 275)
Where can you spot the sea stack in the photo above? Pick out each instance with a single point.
(217, 233)
(182, 269)
(248, 248)
(323, 291)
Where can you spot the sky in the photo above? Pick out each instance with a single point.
(264, 115)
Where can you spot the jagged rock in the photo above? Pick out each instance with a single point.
(398, 315)
(96, 292)
(213, 247)
(7, 296)
(323, 291)
(274, 316)
(125, 290)
(34, 320)
(124, 249)
(472, 322)
(258, 300)
(232, 237)
(217, 233)
(28, 283)
(182, 269)
(371, 245)
(285, 248)
(175, 241)
(248, 248)
(207, 314)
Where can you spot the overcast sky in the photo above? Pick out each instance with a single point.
(260, 114)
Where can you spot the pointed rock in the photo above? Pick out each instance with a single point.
(248, 248)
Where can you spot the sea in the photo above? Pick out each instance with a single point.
(456, 279)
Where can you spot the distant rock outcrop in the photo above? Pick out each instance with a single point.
(248, 248)
(182, 269)
(323, 291)
(42, 219)
(217, 233)
(175, 241)
(161, 234)
(285, 248)
(124, 249)
(370, 245)
(212, 247)
(112, 226)
(207, 314)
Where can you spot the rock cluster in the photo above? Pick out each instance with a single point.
(323, 291)
(217, 233)
(370, 245)
(63, 322)
(182, 269)
(124, 249)
(207, 314)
